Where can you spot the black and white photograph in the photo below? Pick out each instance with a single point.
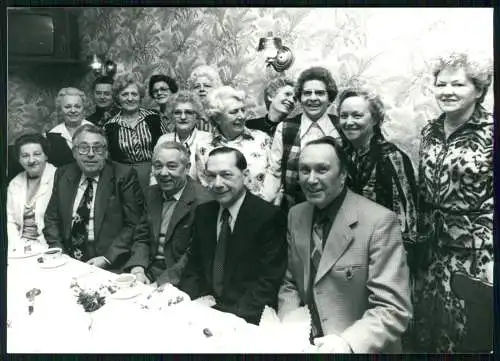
(249, 180)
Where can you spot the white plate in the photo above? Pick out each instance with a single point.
(55, 263)
(127, 293)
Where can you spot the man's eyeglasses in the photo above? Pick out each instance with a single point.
(187, 112)
(162, 89)
(98, 149)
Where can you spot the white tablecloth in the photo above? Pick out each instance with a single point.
(60, 325)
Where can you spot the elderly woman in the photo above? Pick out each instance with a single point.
(28, 194)
(378, 169)
(202, 81)
(133, 132)
(161, 87)
(455, 199)
(186, 110)
(70, 104)
(226, 110)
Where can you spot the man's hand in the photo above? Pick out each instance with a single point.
(138, 272)
(332, 344)
(99, 261)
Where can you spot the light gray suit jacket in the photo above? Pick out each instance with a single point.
(362, 283)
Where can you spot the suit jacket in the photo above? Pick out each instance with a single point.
(263, 124)
(362, 284)
(16, 199)
(178, 236)
(255, 260)
(118, 210)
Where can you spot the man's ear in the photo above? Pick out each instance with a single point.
(246, 172)
(188, 167)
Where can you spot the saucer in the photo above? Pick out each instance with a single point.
(54, 263)
(21, 254)
(127, 293)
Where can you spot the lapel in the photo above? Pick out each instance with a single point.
(182, 208)
(340, 236)
(239, 237)
(302, 237)
(68, 187)
(155, 204)
(103, 193)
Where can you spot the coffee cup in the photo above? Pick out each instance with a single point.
(125, 280)
(52, 254)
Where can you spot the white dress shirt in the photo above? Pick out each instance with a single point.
(309, 130)
(63, 131)
(233, 214)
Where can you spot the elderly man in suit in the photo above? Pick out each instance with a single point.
(161, 248)
(238, 254)
(95, 204)
(346, 260)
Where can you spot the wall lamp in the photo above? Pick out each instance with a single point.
(102, 67)
(278, 56)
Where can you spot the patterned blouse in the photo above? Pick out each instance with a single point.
(134, 144)
(456, 183)
(385, 175)
(255, 146)
(30, 229)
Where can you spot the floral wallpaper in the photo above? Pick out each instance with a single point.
(387, 50)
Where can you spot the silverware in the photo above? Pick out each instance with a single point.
(30, 295)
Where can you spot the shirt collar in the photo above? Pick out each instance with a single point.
(219, 137)
(324, 123)
(234, 209)
(177, 195)
(63, 131)
(83, 179)
(480, 117)
(119, 119)
(190, 140)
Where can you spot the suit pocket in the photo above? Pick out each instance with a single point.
(352, 272)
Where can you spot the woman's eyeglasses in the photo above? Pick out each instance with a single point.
(186, 112)
(162, 89)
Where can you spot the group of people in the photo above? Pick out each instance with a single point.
(316, 210)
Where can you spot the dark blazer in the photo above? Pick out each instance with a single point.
(59, 153)
(118, 210)
(263, 124)
(256, 258)
(179, 233)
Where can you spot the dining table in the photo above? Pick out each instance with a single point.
(44, 316)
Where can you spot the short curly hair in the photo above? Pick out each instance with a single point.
(172, 84)
(375, 105)
(31, 138)
(205, 70)
(123, 81)
(478, 71)
(321, 74)
(272, 88)
(185, 96)
(69, 91)
(216, 101)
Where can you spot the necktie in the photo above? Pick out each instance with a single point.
(166, 215)
(220, 252)
(317, 237)
(80, 229)
(316, 253)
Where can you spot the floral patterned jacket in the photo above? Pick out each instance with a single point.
(456, 183)
(255, 146)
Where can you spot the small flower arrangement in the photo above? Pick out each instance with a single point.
(91, 300)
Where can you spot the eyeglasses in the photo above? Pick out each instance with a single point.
(163, 89)
(84, 148)
(187, 112)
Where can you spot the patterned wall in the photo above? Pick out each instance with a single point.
(357, 45)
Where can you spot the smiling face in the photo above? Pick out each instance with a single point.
(320, 174)
(232, 120)
(284, 100)
(185, 117)
(225, 180)
(314, 99)
(455, 93)
(161, 92)
(356, 120)
(202, 86)
(170, 168)
(33, 159)
(72, 109)
(129, 98)
(103, 95)
(95, 147)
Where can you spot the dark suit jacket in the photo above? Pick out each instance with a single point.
(255, 258)
(179, 232)
(59, 153)
(118, 210)
(263, 124)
